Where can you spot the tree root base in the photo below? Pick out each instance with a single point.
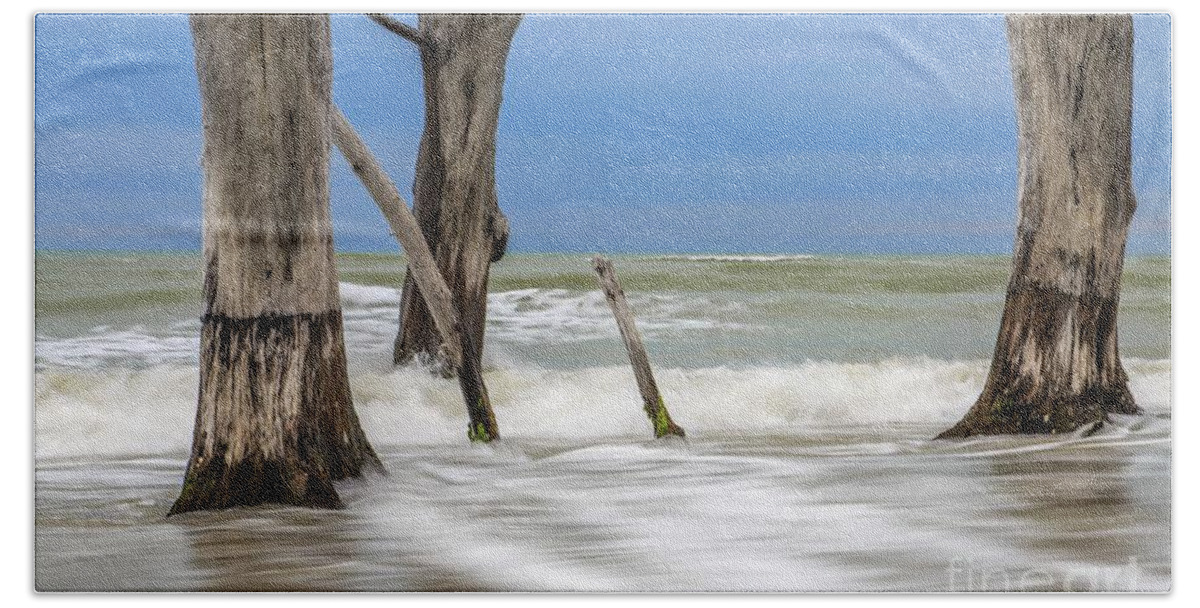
(214, 485)
(1009, 415)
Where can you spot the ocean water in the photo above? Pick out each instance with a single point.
(809, 386)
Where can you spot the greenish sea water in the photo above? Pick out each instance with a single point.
(809, 386)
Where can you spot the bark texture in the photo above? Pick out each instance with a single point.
(652, 401)
(454, 193)
(274, 422)
(1056, 366)
(459, 352)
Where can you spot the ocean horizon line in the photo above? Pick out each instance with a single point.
(664, 254)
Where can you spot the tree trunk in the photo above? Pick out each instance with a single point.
(652, 401)
(454, 193)
(274, 422)
(1056, 366)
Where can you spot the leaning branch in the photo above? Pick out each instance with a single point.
(425, 269)
(400, 29)
(652, 401)
(460, 349)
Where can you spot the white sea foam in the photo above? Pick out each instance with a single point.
(135, 347)
(79, 413)
(559, 315)
(150, 411)
(370, 314)
(368, 296)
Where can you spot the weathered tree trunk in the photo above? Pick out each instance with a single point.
(652, 401)
(1056, 366)
(274, 422)
(459, 352)
(454, 193)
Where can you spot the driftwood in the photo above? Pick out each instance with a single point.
(459, 348)
(274, 419)
(1056, 366)
(454, 191)
(652, 401)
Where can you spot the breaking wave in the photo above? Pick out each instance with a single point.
(150, 411)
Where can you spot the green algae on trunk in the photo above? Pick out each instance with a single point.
(663, 425)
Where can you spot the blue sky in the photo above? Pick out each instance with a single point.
(646, 133)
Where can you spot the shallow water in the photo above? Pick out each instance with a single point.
(837, 510)
(809, 387)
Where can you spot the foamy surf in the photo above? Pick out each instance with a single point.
(149, 412)
(370, 317)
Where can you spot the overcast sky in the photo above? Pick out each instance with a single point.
(642, 133)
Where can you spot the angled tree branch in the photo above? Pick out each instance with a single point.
(400, 29)
(462, 350)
